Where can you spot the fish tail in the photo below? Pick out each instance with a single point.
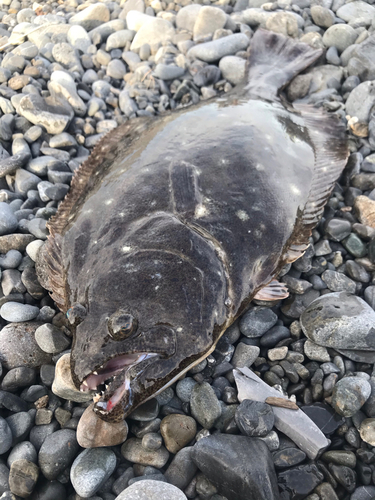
(274, 61)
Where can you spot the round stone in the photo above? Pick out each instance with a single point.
(91, 469)
(367, 431)
(16, 312)
(6, 436)
(204, 404)
(63, 385)
(51, 339)
(57, 453)
(93, 432)
(133, 451)
(257, 321)
(349, 395)
(331, 320)
(93, 16)
(254, 418)
(151, 490)
(23, 477)
(339, 36)
(8, 221)
(233, 69)
(177, 431)
(19, 348)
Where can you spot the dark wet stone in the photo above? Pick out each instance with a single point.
(274, 335)
(11, 164)
(57, 453)
(340, 457)
(331, 320)
(21, 376)
(20, 425)
(257, 321)
(234, 465)
(338, 229)
(357, 272)
(39, 433)
(344, 476)
(12, 402)
(300, 481)
(363, 493)
(182, 469)
(254, 418)
(147, 411)
(324, 417)
(354, 245)
(294, 305)
(288, 457)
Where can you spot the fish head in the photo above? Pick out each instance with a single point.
(140, 326)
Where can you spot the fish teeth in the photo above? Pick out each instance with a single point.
(106, 387)
(95, 373)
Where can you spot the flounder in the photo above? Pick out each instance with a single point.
(175, 223)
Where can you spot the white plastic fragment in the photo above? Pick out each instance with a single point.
(293, 423)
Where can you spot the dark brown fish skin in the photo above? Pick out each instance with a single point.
(179, 220)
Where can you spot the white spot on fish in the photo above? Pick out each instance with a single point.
(108, 202)
(241, 214)
(200, 211)
(295, 189)
(179, 329)
(259, 167)
(126, 249)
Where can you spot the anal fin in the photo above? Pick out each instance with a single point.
(273, 291)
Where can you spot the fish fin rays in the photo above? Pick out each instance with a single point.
(101, 156)
(328, 137)
(273, 291)
(274, 61)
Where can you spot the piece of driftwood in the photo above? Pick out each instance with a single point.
(281, 403)
(296, 425)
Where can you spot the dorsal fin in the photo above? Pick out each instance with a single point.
(328, 137)
(274, 61)
(100, 159)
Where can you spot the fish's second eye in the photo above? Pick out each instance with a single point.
(76, 314)
(121, 325)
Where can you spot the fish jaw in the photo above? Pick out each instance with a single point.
(117, 376)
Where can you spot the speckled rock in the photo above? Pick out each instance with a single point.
(151, 490)
(331, 320)
(349, 395)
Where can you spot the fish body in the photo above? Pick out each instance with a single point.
(175, 223)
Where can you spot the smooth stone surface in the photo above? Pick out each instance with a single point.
(254, 419)
(93, 432)
(209, 19)
(288, 457)
(257, 321)
(349, 395)
(147, 489)
(19, 348)
(63, 385)
(233, 69)
(57, 453)
(48, 113)
(91, 469)
(302, 480)
(91, 17)
(133, 451)
(182, 469)
(155, 31)
(177, 431)
(367, 431)
(205, 406)
(331, 320)
(234, 465)
(16, 312)
(215, 50)
(360, 101)
(324, 417)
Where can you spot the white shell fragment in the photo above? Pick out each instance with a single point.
(295, 424)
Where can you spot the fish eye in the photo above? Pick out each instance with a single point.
(121, 325)
(76, 314)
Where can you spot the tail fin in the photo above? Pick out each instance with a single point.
(274, 61)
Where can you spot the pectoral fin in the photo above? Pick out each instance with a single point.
(273, 291)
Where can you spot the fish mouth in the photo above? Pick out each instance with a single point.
(112, 381)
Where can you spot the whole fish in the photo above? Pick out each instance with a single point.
(175, 223)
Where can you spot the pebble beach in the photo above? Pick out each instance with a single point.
(72, 72)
